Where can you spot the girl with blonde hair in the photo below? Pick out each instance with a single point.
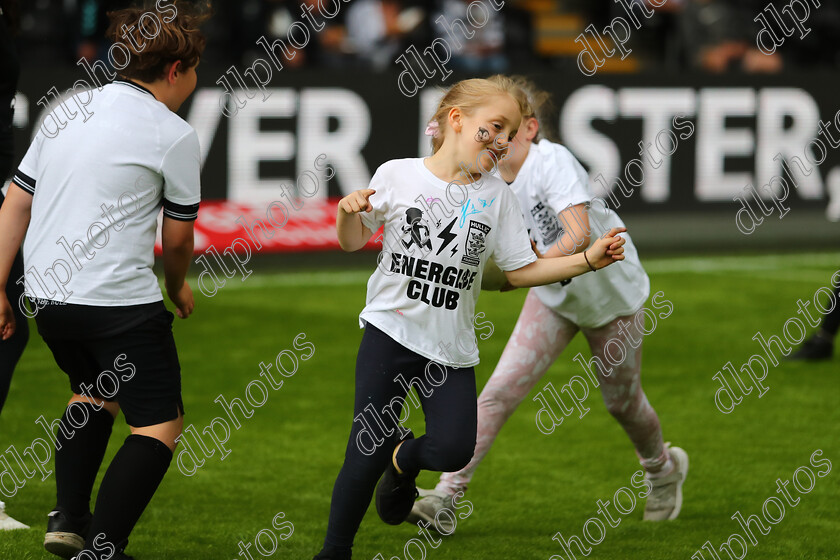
(443, 217)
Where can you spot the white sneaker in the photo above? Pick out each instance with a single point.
(428, 509)
(8, 523)
(832, 186)
(665, 499)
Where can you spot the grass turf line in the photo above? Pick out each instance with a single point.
(531, 485)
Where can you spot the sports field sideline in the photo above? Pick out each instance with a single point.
(285, 457)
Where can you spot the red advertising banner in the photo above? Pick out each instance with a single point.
(273, 228)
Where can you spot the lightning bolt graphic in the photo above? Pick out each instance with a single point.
(454, 250)
(447, 236)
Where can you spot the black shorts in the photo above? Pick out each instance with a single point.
(136, 366)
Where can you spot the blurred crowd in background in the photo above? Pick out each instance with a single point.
(715, 36)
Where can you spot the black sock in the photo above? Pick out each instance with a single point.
(78, 459)
(831, 321)
(129, 484)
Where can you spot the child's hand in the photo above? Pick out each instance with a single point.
(183, 300)
(7, 318)
(606, 250)
(356, 202)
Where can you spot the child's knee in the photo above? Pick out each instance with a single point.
(496, 401)
(453, 463)
(453, 454)
(617, 407)
(625, 407)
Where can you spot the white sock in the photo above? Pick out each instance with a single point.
(666, 469)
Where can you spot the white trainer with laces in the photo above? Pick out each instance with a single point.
(428, 509)
(665, 499)
(8, 523)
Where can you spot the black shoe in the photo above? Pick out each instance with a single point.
(66, 534)
(329, 553)
(816, 348)
(395, 493)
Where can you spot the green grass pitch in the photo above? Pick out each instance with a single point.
(285, 458)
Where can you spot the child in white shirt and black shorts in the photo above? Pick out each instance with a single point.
(87, 196)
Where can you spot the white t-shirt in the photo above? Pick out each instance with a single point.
(424, 290)
(551, 180)
(97, 189)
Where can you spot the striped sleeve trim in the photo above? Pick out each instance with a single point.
(181, 212)
(24, 181)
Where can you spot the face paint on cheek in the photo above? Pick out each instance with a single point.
(483, 135)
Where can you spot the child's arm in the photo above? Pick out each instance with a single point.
(352, 233)
(14, 219)
(603, 252)
(575, 237)
(177, 240)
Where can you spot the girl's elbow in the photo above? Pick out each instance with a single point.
(349, 246)
(586, 239)
(581, 240)
(516, 279)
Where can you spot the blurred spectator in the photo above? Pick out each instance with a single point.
(273, 19)
(91, 21)
(331, 39)
(485, 51)
(378, 29)
(683, 35)
(720, 36)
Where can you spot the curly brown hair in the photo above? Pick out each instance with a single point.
(156, 36)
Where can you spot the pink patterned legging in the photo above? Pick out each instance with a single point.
(538, 339)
